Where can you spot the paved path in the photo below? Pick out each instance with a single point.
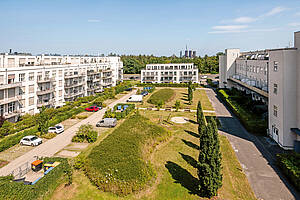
(258, 164)
(54, 145)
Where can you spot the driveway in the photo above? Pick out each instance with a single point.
(259, 165)
(54, 145)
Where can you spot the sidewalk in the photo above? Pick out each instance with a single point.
(258, 164)
(54, 145)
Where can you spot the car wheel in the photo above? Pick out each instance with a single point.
(21, 143)
(32, 144)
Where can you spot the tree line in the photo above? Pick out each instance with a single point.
(133, 64)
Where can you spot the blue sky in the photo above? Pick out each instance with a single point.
(159, 27)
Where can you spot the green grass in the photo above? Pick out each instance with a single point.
(119, 163)
(163, 95)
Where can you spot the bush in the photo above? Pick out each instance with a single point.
(117, 163)
(13, 190)
(82, 116)
(85, 133)
(49, 135)
(290, 165)
(163, 95)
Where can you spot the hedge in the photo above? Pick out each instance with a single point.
(117, 164)
(166, 84)
(45, 186)
(290, 165)
(57, 115)
(250, 121)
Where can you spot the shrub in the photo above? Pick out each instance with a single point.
(85, 133)
(13, 190)
(290, 165)
(82, 116)
(6, 128)
(49, 135)
(117, 163)
(163, 95)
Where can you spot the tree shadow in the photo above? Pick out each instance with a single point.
(190, 144)
(184, 99)
(184, 94)
(192, 121)
(183, 177)
(189, 159)
(192, 133)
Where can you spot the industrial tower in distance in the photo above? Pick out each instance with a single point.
(188, 53)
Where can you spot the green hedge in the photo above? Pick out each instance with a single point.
(290, 165)
(45, 186)
(166, 85)
(117, 164)
(250, 121)
(163, 95)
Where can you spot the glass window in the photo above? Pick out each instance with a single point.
(275, 110)
(275, 88)
(31, 76)
(275, 66)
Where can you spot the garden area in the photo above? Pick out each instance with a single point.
(252, 114)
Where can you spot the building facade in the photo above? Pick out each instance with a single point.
(170, 73)
(272, 75)
(30, 82)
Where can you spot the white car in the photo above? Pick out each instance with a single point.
(204, 77)
(31, 140)
(56, 129)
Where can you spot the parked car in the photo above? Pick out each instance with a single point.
(128, 89)
(31, 140)
(93, 109)
(107, 122)
(56, 129)
(135, 98)
(144, 93)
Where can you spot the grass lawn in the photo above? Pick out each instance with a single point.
(174, 162)
(181, 94)
(164, 95)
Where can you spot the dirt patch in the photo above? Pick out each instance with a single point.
(68, 154)
(179, 120)
(3, 163)
(76, 146)
(60, 192)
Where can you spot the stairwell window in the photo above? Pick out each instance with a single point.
(275, 88)
(275, 66)
(275, 110)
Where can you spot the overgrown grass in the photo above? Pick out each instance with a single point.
(119, 163)
(163, 95)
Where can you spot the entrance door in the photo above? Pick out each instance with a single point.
(275, 134)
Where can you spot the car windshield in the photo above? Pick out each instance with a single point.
(33, 138)
(58, 127)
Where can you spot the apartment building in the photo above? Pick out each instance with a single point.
(170, 73)
(30, 82)
(272, 75)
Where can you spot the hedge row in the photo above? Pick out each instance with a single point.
(166, 85)
(290, 165)
(60, 114)
(45, 186)
(119, 115)
(118, 163)
(251, 122)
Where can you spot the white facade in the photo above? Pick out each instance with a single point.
(170, 73)
(29, 82)
(274, 75)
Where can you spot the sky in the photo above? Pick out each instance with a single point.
(158, 27)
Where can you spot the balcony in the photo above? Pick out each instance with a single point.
(71, 95)
(74, 84)
(11, 85)
(106, 77)
(68, 76)
(12, 114)
(9, 100)
(45, 91)
(45, 102)
(107, 70)
(46, 80)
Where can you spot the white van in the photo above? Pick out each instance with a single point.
(135, 98)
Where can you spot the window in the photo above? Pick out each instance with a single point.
(31, 89)
(275, 110)
(60, 83)
(275, 88)
(22, 90)
(31, 76)
(60, 93)
(11, 107)
(31, 101)
(21, 77)
(275, 66)
(53, 73)
(60, 73)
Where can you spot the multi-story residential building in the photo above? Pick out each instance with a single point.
(30, 82)
(272, 75)
(170, 73)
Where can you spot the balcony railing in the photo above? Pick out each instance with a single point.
(12, 114)
(68, 76)
(11, 85)
(10, 99)
(46, 80)
(76, 84)
(47, 102)
(45, 91)
(74, 94)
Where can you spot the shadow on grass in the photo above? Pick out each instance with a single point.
(190, 144)
(189, 159)
(184, 99)
(196, 135)
(184, 94)
(183, 177)
(193, 122)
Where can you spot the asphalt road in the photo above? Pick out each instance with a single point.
(54, 145)
(258, 164)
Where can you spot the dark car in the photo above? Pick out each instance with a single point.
(144, 93)
(128, 89)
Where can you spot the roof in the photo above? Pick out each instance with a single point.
(296, 130)
(37, 162)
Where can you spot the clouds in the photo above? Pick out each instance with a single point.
(244, 21)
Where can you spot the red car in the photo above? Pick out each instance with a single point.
(92, 109)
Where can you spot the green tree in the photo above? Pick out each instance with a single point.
(177, 105)
(6, 128)
(200, 116)
(190, 93)
(159, 104)
(43, 121)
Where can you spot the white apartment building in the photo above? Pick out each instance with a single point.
(170, 73)
(272, 75)
(30, 82)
